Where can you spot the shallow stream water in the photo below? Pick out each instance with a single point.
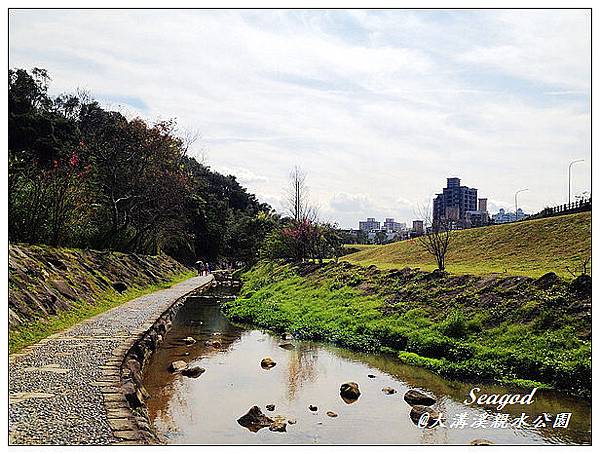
(205, 410)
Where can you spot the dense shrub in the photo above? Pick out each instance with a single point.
(455, 325)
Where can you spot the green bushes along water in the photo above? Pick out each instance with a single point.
(507, 329)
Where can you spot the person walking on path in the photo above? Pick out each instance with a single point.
(200, 267)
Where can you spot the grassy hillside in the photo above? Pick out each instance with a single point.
(359, 247)
(530, 248)
(510, 329)
(352, 248)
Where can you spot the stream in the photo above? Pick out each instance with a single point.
(205, 410)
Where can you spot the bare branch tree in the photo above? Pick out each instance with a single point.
(439, 237)
(297, 197)
(304, 229)
(188, 138)
(84, 96)
(202, 155)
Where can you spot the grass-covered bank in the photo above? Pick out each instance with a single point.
(32, 332)
(508, 329)
(528, 248)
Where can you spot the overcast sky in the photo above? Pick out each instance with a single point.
(378, 107)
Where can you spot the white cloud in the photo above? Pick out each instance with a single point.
(244, 176)
(351, 203)
(378, 107)
(551, 47)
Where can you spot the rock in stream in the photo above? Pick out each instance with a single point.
(254, 420)
(349, 392)
(416, 397)
(267, 363)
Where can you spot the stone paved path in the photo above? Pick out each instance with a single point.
(65, 389)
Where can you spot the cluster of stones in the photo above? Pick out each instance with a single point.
(420, 403)
(255, 419)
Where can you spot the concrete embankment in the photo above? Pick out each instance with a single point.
(68, 389)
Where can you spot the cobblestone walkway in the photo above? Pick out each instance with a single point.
(66, 388)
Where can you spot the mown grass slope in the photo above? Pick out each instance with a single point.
(530, 248)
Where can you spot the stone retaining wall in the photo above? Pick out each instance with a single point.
(44, 280)
(131, 372)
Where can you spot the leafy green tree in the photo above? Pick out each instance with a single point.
(82, 176)
(277, 245)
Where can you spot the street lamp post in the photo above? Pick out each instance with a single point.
(516, 205)
(570, 164)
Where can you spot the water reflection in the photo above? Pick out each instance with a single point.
(213, 335)
(302, 368)
(205, 410)
(453, 392)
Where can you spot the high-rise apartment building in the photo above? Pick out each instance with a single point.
(454, 202)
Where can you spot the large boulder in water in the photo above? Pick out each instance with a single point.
(349, 392)
(255, 420)
(416, 397)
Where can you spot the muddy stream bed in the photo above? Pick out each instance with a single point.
(205, 410)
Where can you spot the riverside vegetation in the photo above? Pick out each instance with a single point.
(81, 176)
(510, 329)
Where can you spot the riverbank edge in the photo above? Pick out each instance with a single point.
(341, 339)
(124, 371)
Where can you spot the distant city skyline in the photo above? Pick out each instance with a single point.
(378, 107)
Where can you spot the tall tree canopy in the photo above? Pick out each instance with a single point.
(82, 176)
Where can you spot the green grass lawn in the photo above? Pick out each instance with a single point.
(530, 248)
(34, 331)
(472, 330)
